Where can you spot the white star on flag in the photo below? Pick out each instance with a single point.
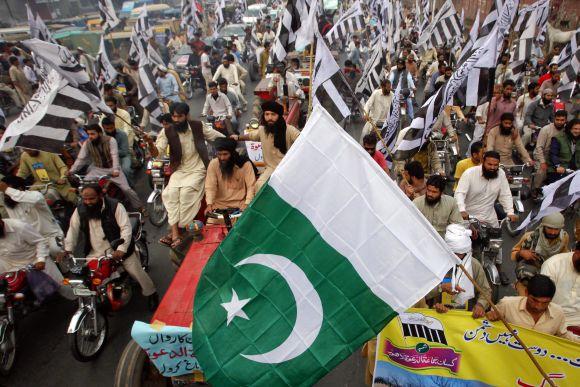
(234, 307)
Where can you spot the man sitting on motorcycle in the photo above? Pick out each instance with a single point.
(370, 145)
(31, 207)
(47, 168)
(230, 72)
(456, 291)
(477, 192)
(504, 137)
(400, 74)
(100, 220)
(230, 178)
(21, 245)
(476, 155)
(234, 101)
(542, 151)
(167, 85)
(189, 158)
(413, 182)
(122, 120)
(378, 107)
(535, 247)
(284, 85)
(564, 152)
(275, 135)
(218, 105)
(122, 145)
(110, 91)
(101, 153)
(538, 114)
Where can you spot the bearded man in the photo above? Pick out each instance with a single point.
(230, 178)
(184, 141)
(101, 153)
(439, 209)
(275, 135)
(504, 137)
(536, 247)
(95, 224)
(542, 151)
(477, 191)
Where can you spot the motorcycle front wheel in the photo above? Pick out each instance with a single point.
(157, 211)
(188, 90)
(8, 351)
(86, 343)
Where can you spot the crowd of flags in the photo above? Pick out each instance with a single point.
(298, 27)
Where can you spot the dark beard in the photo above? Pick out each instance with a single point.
(181, 127)
(546, 102)
(505, 131)
(551, 236)
(576, 263)
(431, 202)
(112, 134)
(489, 175)
(227, 167)
(94, 210)
(10, 203)
(96, 141)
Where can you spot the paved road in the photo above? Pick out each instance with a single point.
(43, 356)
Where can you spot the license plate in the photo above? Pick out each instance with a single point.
(83, 292)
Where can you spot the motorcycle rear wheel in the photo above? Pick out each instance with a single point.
(84, 344)
(8, 352)
(136, 370)
(157, 212)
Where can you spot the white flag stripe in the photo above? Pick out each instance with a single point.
(351, 21)
(345, 183)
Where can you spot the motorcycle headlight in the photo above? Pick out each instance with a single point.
(156, 173)
(495, 243)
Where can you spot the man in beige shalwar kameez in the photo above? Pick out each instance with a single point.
(276, 137)
(189, 159)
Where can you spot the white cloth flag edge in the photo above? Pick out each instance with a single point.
(387, 287)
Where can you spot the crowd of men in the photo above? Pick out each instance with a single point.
(521, 124)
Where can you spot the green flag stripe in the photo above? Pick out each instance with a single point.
(352, 313)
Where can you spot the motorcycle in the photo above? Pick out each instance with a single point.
(521, 190)
(159, 172)
(14, 295)
(192, 79)
(249, 57)
(219, 124)
(102, 286)
(488, 250)
(446, 152)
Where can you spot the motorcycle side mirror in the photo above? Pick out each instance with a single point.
(116, 243)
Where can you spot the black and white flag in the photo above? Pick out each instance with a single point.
(350, 22)
(391, 126)
(420, 129)
(148, 97)
(522, 49)
(542, 10)
(569, 65)
(46, 120)
(140, 36)
(109, 19)
(372, 73)
(445, 26)
(557, 197)
(219, 16)
(329, 87)
(293, 28)
(426, 4)
(105, 69)
(38, 29)
(471, 39)
(495, 25)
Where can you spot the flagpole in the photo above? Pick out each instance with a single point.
(507, 325)
(311, 77)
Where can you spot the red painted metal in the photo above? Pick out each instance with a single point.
(176, 307)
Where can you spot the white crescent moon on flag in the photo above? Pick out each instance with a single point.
(309, 313)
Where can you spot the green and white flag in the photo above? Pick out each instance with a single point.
(329, 251)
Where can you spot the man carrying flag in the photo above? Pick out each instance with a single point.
(318, 264)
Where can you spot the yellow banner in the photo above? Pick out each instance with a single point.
(425, 348)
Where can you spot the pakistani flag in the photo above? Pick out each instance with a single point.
(329, 251)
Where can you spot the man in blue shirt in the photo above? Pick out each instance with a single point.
(167, 85)
(400, 74)
(108, 125)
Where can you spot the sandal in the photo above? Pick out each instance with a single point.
(167, 240)
(176, 243)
